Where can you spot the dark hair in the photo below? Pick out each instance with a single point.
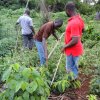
(27, 11)
(70, 6)
(59, 22)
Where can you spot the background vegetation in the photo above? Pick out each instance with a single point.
(20, 68)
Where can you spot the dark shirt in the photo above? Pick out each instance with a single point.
(45, 31)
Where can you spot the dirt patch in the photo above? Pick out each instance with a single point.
(75, 94)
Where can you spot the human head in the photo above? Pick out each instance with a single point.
(70, 9)
(58, 23)
(27, 11)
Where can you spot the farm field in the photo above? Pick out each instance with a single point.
(21, 77)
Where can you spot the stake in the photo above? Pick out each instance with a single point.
(55, 46)
(56, 70)
(26, 5)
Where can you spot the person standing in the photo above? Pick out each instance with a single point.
(97, 17)
(43, 34)
(73, 47)
(27, 29)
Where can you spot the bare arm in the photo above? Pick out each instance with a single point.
(73, 42)
(16, 25)
(32, 29)
(55, 36)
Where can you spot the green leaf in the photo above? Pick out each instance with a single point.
(59, 87)
(33, 98)
(18, 86)
(43, 98)
(63, 85)
(6, 74)
(47, 91)
(18, 98)
(36, 73)
(26, 96)
(16, 67)
(40, 82)
(24, 85)
(41, 90)
(37, 97)
(12, 84)
(32, 87)
(26, 72)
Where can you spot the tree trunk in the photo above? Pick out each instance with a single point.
(44, 11)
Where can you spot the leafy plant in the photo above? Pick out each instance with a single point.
(24, 83)
(92, 97)
(95, 86)
(66, 83)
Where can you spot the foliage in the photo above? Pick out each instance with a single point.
(6, 46)
(24, 83)
(85, 8)
(95, 86)
(65, 83)
(56, 5)
(92, 97)
(90, 61)
(90, 32)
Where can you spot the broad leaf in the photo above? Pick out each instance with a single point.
(32, 87)
(16, 67)
(26, 72)
(26, 96)
(24, 85)
(33, 98)
(18, 86)
(43, 98)
(6, 74)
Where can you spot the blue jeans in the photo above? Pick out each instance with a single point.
(72, 65)
(41, 52)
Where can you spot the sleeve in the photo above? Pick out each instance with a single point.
(30, 22)
(75, 30)
(19, 20)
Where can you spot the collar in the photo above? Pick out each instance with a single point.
(73, 17)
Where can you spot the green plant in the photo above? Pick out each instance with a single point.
(92, 97)
(65, 83)
(95, 86)
(24, 83)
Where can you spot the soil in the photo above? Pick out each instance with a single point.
(75, 94)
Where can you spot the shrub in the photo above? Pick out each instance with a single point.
(24, 83)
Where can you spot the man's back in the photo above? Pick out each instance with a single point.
(46, 30)
(25, 22)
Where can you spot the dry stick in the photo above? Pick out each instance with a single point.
(26, 5)
(56, 70)
(55, 46)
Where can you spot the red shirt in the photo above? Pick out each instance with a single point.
(74, 28)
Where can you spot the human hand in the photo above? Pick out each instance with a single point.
(62, 49)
